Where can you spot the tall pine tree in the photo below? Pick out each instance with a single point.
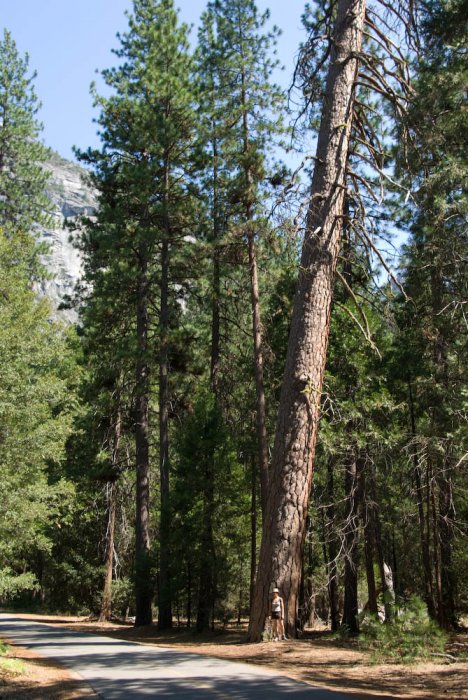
(23, 201)
(244, 114)
(435, 279)
(143, 173)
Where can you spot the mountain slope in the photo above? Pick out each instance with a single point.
(71, 197)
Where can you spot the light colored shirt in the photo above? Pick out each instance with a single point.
(276, 605)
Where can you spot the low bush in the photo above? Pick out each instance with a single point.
(411, 636)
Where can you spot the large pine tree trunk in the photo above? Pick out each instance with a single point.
(143, 589)
(280, 560)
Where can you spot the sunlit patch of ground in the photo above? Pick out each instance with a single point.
(36, 678)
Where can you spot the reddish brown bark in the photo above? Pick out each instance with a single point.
(216, 283)
(253, 534)
(164, 598)
(281, 552)
(143, 592)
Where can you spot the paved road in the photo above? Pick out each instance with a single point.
(120, 670)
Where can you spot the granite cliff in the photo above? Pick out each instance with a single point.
(71, 197)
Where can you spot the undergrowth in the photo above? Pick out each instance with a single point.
(411, 636)
(9, 667)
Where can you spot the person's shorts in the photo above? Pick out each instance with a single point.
(276, 616)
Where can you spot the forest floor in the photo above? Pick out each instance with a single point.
(317, 659)
(39, 678)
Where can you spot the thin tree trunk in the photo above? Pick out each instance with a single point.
(351, 534)
(253, 532)
(429, 530)
(106, 603)
(443, 476)
(436, 549)
(396, 570)
(262, 437)
(296, 432)
(143, 589)
(164, 602)
(447, 617)
(385, 572)
(306, 591)
(216, 289)
(189, 594)
(332, 583)
(207, 555)
(423, 534)
(205, 606)
(367, 523)
(369, 558)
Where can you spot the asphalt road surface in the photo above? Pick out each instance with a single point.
(121, 670)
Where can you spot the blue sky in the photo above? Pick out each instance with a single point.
(67, 41)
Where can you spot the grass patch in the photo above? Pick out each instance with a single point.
(8, 666)
(412, 636)
(11, 667)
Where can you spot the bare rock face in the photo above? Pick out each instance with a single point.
(71, 197)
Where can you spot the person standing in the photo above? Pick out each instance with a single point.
(277, 616)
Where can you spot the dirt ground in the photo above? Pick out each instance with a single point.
(316, 659)
(42, 679)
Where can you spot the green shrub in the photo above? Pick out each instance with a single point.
(11, 584)
(122, 596)
(411, 636)
(342, 634)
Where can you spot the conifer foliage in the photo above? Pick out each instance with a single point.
(23, 200)
(436, 281)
